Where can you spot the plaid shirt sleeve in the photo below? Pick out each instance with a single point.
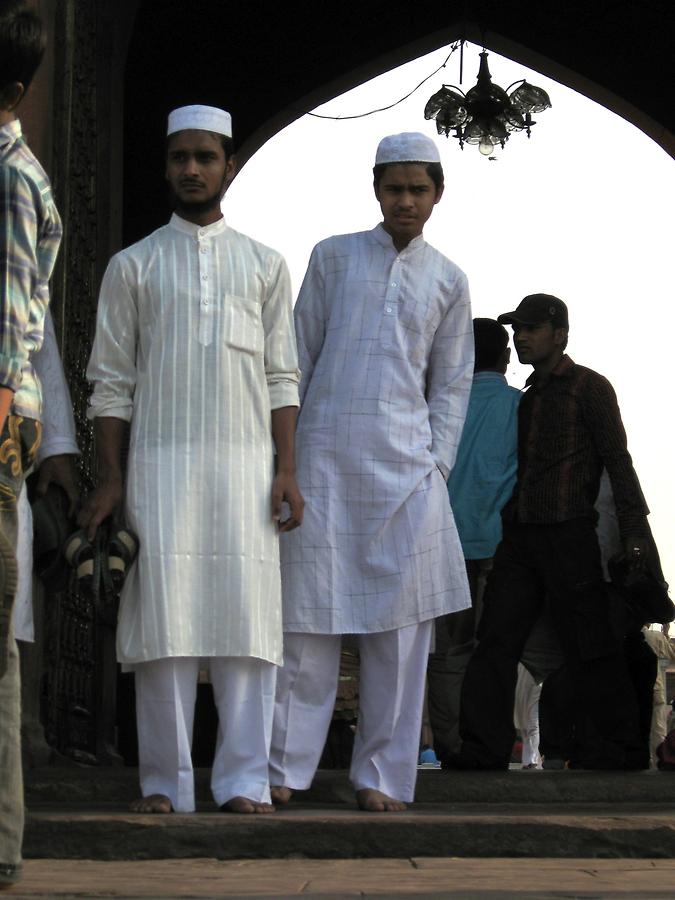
(18, 271)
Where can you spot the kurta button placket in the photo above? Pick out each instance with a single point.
(206, 309)
(391, 298)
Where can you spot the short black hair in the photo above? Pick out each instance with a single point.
(22, 43)
(490, 341)
(226, 142)
(434, 171)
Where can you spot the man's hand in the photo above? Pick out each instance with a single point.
(59, 469)
(285, 487)
(103, 501)
(635, 552)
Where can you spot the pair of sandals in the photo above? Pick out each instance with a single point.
(102, 565)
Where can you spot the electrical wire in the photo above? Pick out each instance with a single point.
(372, 112)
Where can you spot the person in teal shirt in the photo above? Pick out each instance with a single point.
(479, 485)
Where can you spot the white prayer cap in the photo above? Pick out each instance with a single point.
(204, 118)
(411, 146)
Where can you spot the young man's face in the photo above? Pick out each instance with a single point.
(537, 343)
(407, 196)
(197, 170)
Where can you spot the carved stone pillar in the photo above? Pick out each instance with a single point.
(90, 38)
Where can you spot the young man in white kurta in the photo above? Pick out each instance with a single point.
(195, 346)
(384, 330)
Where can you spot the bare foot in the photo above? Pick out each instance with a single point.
(281, 795)
(371, 800)
(244, 805)
(154, 803)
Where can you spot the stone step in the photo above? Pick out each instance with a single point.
(82, 813)
(92, 785)
(340, 831)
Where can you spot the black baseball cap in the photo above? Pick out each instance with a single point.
(537, 308)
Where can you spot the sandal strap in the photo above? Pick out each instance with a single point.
(128, 540)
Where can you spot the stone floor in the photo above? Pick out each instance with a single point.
(84, 814)
(491, 879)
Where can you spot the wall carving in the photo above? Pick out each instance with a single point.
(71, 677)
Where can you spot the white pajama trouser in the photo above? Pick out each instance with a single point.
(166, 692)
(526, 715)
(392, 679)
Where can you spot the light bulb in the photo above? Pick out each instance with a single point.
(486, 146)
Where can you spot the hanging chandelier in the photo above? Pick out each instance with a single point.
(487, 114)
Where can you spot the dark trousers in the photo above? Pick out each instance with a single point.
(560, 731)
(455, 633)
(557, 565)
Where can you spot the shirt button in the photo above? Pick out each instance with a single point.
(206, 302)
(203, 249)
(205, 277)
(393, 284)
(389, 309)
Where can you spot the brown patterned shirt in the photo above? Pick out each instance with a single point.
(569, 429)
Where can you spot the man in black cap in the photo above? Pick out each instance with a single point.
(569, 429)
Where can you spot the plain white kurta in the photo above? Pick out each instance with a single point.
(386, 350)
(195, 345)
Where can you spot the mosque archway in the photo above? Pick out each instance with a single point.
(118, 68)
(270, 63)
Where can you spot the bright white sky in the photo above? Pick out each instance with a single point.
(582, 210)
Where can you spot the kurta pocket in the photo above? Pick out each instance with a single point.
(242, 324)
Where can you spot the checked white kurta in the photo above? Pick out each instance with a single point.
(386, 351)
(195, 345)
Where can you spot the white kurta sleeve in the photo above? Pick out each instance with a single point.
(58, 424)
(310, 319)
(449, 378)
(112, 365)
(281, 354)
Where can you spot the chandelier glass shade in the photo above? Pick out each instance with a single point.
(487, 114)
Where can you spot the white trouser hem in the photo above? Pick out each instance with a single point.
(243, 689)
(392, 681)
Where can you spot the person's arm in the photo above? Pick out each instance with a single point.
(311, 316)
(506, 449)
(282, 374)
(59, 468)
(603, 418)
(106, 498)
(112, 365)
(449, 378)
(112, 369)
(18, 268)
(55, 459)
(6, 399)
(284, 486)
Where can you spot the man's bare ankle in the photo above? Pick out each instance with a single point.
(281, 794)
